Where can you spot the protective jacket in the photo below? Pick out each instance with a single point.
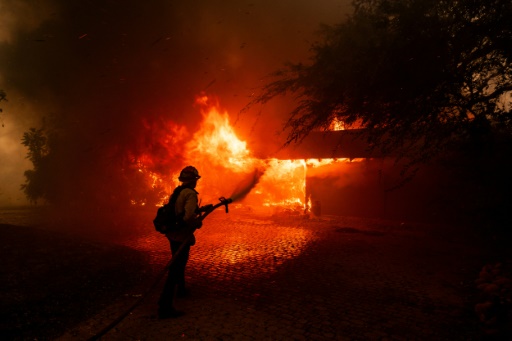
(187, 208)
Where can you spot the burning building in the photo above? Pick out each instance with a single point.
(329, 173)
(119, 80)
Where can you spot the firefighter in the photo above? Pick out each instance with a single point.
(187, 210)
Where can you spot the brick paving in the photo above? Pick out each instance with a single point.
(256, 277)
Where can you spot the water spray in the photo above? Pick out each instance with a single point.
(247, 185)
(239, 193)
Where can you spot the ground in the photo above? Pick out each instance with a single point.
(252, 277)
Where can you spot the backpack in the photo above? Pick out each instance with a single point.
(166, 219)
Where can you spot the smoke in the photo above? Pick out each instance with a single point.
(16, 116)
(21, 16)
(18, 113)
(109, 74)
(246, 185)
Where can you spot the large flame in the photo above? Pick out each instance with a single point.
(228, 167)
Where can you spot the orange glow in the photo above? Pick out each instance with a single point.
(217, 141)
(337, 124)
(236, 239)
(224, 161)
(244, 248)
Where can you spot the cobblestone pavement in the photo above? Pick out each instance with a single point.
(289, 278)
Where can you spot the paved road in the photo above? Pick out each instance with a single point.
(289, 278)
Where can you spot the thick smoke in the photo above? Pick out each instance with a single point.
(17, 16)
(244, 187)
(110, 74)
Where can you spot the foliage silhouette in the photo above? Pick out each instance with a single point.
(67, 174)
(418, 75)
(3, 97)
(424, 81)
(36, 141)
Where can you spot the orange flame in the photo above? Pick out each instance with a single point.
(224, 161)
(217, 140)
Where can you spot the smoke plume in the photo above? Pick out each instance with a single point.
(246, 185)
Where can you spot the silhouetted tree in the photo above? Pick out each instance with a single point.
(66, 174)
(424, 78)
(417, 74)
(36, 141)
(3, 97)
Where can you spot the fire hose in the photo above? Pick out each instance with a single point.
(203, 212)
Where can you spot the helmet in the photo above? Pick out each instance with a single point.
(189, 174)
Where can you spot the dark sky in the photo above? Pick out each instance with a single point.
(103, 66)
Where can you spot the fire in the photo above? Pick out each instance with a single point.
(337, 124)
(283, 184)
(217, 140)
(224, 161)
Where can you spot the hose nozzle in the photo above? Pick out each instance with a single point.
(225, 202)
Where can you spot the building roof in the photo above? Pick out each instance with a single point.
(327, 145)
